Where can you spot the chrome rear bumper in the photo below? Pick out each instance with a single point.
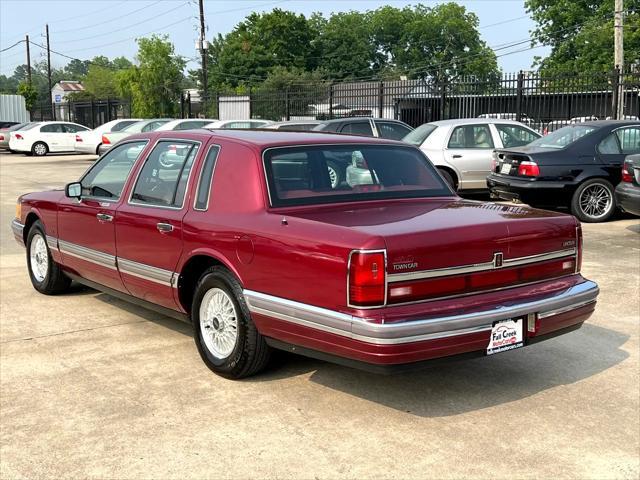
(356, 328)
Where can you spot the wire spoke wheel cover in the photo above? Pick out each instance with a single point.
(39, 257)
(333, 176)
(218, 323)
(595, 200)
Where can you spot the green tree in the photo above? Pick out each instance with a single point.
(580, 34)
(29, 93)
(76, 69)
(100, 82)
(155, 84)
(8, 84)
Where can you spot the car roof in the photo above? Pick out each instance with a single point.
(268, 138)
(474, 121)
(348, 119)
(609, 123)
(296, 122)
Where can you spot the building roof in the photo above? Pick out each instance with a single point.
(69, 86)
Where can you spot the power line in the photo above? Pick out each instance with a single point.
(14, 45)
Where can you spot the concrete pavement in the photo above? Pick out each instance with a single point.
(91, 386)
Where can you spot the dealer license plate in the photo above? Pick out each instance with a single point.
(505, 168)
(506, 335)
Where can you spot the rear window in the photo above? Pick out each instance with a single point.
(420, 134)
(303, 175)
(563, 137)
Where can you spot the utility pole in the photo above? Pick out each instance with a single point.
(28, 60)
(203, 51)
(618, 28)
(53, 110)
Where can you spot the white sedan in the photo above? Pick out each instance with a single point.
(89, 142)
(44, 137)
(462, 149)
(252, 123)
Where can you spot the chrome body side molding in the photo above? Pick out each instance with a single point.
(416, 330)
(146, 272)
(87, 254)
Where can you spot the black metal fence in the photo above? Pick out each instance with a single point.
(543, 101)
(90, 113)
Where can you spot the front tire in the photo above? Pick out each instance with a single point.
(594, 201)
(45, 274)
(39, 149)
(226, 337)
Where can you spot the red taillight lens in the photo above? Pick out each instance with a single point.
(18, 136)
(1, 137)
(627, 169)
(528, 169)
(78, 138)
(105, 140)
(579, 247)
(367, 279)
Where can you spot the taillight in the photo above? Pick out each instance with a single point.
(367, 279)
(494, 161)
(1, 137)
(627, 175)
(18, 136)
(528, 169)
(78, 138)
(105, 140)
(579, 248)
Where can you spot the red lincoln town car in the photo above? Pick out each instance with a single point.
(242, 234)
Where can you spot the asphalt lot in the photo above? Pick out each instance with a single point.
(91, 386)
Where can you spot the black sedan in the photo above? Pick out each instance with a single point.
(628, 191)
(576, 167)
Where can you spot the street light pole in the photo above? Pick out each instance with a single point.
(618, 40)
(203, 52)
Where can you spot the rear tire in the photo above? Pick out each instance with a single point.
(594, 201)
(226, 337)
(45, 274)
(39, 149)
(448, 178)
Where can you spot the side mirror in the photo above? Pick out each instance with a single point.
(73, 190)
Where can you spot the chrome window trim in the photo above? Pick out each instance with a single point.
(87, 254)
(386, 278)
(215, 164)
(186, 190)
(478, 267)
(358, 328)
(145, 143)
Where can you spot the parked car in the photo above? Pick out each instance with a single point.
(44, 137)
(89, 142)
(5, 133)
(628, 190)
(462, 149)
(294, 125)
(576, 167)
(524, 119)
(185, 124)
(240, 233)
(588, 118)
(239, 124)
(4, 125)
(367, 127)
(555, 125)
(109, 139)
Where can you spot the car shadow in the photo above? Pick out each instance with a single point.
(635, 228)
(458, 387)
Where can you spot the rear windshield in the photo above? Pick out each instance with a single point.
(322, 174)
(28, 126)
(419, 135)
(563, 137)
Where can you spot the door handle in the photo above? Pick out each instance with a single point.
(103, 217)
(164, 227)
(457, 156)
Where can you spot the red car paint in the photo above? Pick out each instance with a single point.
(301, 254)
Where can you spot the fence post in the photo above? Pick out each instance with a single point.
(93, 115)
(519, 93)
(287, 112)
(616, 92)
(443, 98)
(331, 101)
(181, 104)
(250, 104)
(189, 104)
(108, 109)
(380, 99)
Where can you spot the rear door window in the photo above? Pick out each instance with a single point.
(471, 136)
(357, 128)
(163, 180)
(515, 136)
(392, 130)
(52, 128)
(629, 140)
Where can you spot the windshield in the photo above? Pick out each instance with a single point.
(563, 137)
(346, 173)
(419, 135)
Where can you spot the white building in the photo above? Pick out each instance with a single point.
(63, 88)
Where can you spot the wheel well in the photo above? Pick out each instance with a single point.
(189, 276)
(451, 172)
(31, 218)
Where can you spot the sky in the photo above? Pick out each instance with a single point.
(86, 28)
